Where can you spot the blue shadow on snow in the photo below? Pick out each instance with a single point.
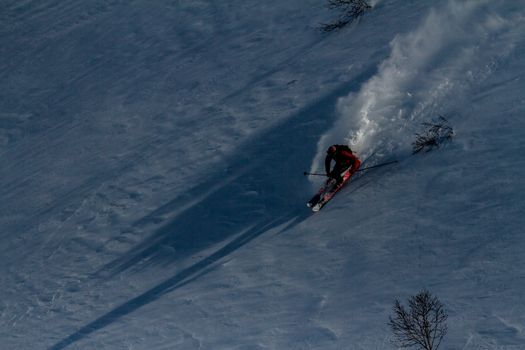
(262, 188)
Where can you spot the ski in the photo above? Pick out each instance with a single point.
(327, 192)
(317, 197)
(330, 193)
(329, 189)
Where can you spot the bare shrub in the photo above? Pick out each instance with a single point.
(422, 325)
(350, 11)
(435, 134)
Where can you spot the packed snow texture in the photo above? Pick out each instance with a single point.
(151, 157)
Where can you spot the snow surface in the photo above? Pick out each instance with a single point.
(151, 158)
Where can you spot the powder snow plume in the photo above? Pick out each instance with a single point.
(428, 71)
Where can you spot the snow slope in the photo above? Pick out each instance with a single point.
(151, 158)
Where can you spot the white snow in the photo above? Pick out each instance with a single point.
(151, 158)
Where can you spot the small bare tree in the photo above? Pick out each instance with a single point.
(422, 325)
(435, 134)
(350, 10)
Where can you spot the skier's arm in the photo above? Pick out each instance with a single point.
(356, 163)
(327, 163)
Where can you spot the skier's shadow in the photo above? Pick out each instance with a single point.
(260, 189)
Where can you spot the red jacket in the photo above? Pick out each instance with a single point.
(344, 158)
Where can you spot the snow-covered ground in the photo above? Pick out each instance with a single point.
(151, 159)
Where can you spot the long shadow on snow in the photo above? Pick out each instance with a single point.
(262, 183)
(258, 190)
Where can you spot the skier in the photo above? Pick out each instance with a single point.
(344, 160)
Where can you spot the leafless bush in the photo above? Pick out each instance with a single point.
(350, 10)
(435, 134)
(422, 325)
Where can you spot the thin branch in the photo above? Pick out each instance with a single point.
(423, 325)
(350, 11)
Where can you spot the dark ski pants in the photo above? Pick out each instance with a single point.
(338, 170)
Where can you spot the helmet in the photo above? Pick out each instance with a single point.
(331, 149)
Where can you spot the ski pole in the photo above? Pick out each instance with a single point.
(313, 174)
(378, 165)
(370, 167)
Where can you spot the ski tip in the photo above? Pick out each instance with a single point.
(316, 208)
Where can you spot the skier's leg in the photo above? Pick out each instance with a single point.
(341, 173)
(336, 173)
